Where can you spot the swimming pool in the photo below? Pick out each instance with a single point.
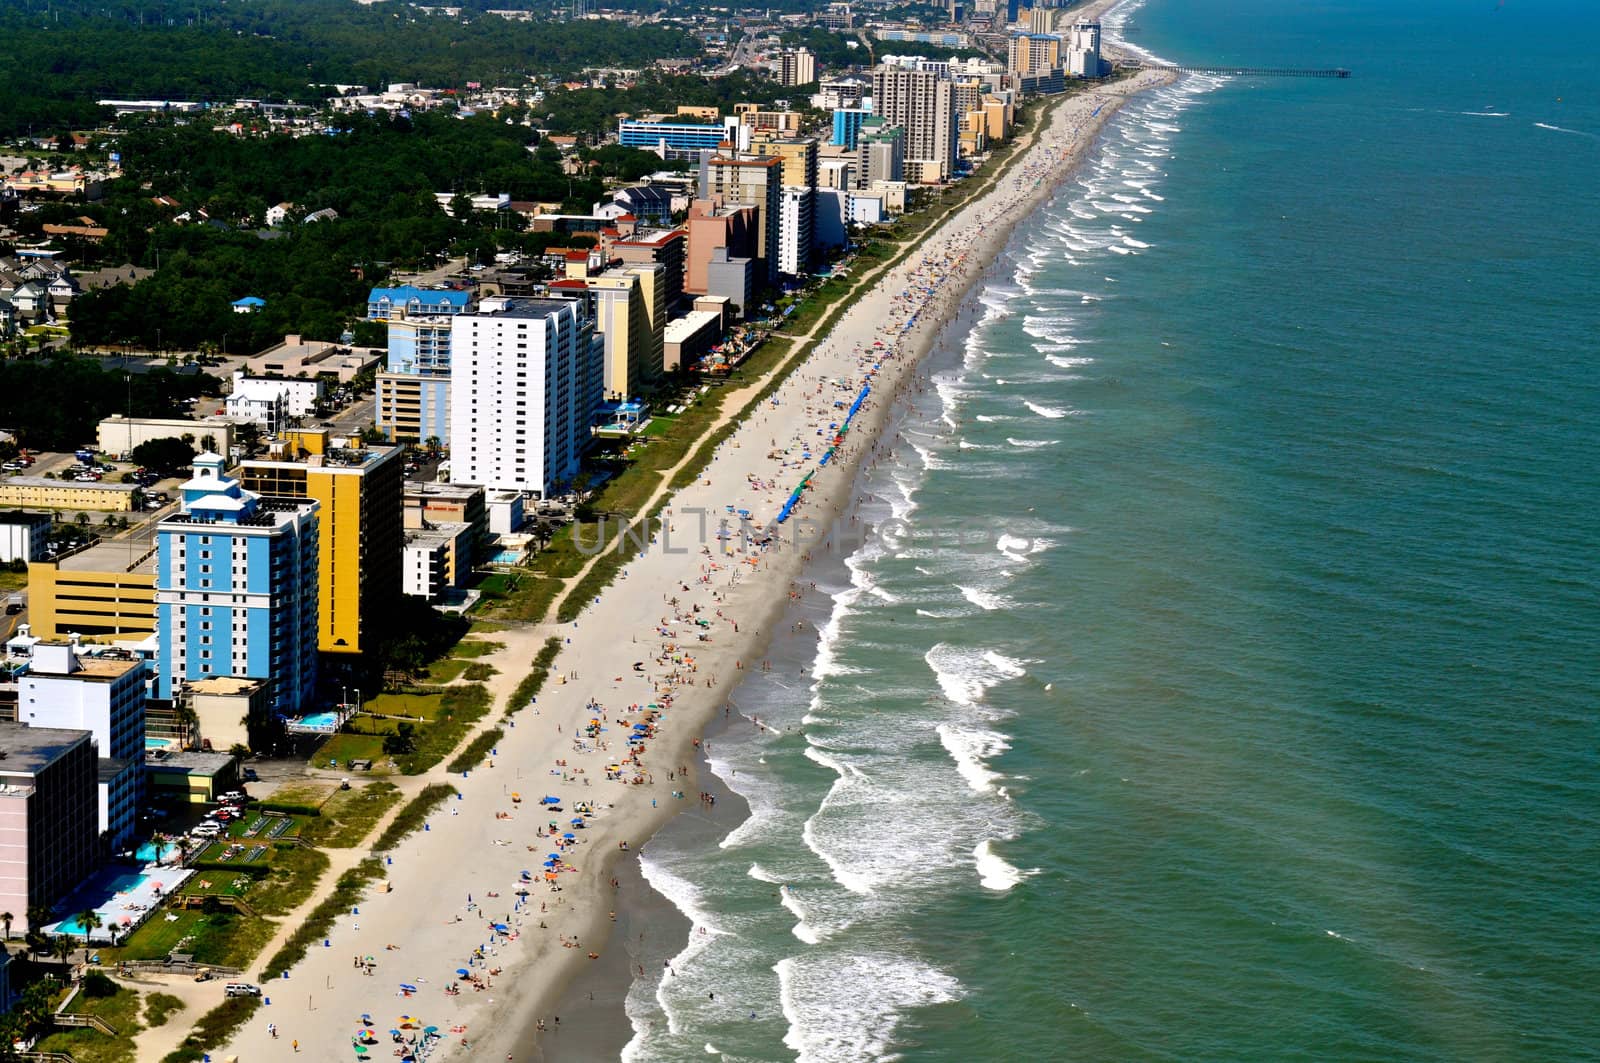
(320, 720)
(508, 557)
(159, 743)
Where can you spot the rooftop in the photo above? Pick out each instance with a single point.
(80, 485)
(225, 684)
(24, 516)
(194, 762)
(26, 750)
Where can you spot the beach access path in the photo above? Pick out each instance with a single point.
(455, 880)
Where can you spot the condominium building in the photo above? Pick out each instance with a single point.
(664, 248)
(49, 827)
(236, 589)
(751, 183)
(104, 695)
(923, 104)
(847, 125)
(526, 377)
(1083, 50)
(413, 390)
(796, 66)
(630, 315)
(796, 207)
(880, 153)
(1032, 53)
(359, 490)
(386, 304)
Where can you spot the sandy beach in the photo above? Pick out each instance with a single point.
(613, 737)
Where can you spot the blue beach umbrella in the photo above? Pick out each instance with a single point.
(463, 972)
(548, 800)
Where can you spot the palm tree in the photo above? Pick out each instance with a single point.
(90, 921)
(160, 845)
(64, 946)
(6, 918)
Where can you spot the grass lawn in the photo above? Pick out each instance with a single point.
(446, 670)
(486, 627)
(340, 749)
(349, 815)
(416, 706)
(476, 648)
(310, 794)
(294, 874)
(12, 581)
(91, 1046)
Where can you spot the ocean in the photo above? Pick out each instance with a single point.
(1219, 681)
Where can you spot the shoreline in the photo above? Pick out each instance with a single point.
(593, 995)
(470, 855)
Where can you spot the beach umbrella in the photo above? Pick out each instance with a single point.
(366, 1020)
(430, 1029)
(569, 835)
(577, 821)
(501, 927)
(394, 1033)
(361, 1050)
(551, 800)
(463, 972)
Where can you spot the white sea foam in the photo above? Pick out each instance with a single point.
(990, 418)
(1067, 362)
(1052, 412)
(985, 600)
(761, 874)
(802, 929)
(687, 898)
(1032, 444)
(994, 872)
(970, 749)
(1009, 543)
(1564, 129)
(843, 1010)
(965, 675)
(854, 879)
(1487, 114)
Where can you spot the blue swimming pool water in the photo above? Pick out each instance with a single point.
(321, 719)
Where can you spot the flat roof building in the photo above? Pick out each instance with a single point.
(49, 825)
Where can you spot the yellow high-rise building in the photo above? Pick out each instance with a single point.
(361, 527)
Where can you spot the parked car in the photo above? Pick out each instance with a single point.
(242, 989)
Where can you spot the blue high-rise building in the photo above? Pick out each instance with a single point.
(847, 125)
(236, 589)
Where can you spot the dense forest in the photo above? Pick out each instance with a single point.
(59, 56)
(54, 403)
(379, 173)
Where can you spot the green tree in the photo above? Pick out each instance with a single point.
(402, 741)
(166, 456)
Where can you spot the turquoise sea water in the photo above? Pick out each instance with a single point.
(1224, 683)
